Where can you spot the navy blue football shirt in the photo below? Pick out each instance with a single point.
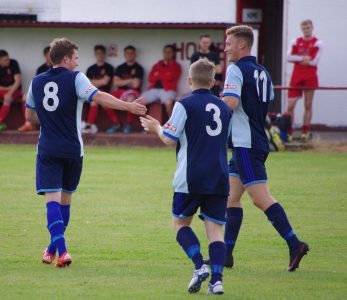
(251, 84)
(58, 96)
(200, 123)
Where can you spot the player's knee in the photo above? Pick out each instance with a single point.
(214, 232)
(263, 202)
(180, 223)
(234, 201)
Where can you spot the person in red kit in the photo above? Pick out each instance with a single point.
(100, 75)
(305, 52)
(163, 80)
(10, 85)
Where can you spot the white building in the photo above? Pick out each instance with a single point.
(150, 24)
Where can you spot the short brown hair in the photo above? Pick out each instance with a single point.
(205, 36)
(202, 72)
(244, 32)
(61, 47)
(306, 22)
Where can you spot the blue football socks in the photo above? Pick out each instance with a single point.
(217, 259)
(191, 246)
(65, 212)
(277, 216)
(232, 228)
(55, 226)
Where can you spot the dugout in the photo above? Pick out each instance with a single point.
(25, 40)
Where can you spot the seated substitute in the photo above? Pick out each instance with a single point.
(27, 126)
(200, 123)
(100, 74)
(128, 79)
(163, 80)
(10, 85)
(205, 51)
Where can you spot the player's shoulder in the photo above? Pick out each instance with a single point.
(213, 55)
(108, 65)
(13, 61)
(195, 56)
(121, 66)
(92, 67)
(138, 66)
(317, 41)
(201, 98)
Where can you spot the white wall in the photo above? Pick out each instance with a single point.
(149, 11)
(125, 10)
(26, 44)
(45, 10)
(330, 25)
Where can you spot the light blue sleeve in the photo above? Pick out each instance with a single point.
(173, 128)
(85, 90)
(233, 82)
(29, 102)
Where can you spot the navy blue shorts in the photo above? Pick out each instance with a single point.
(56, 174)
(248, 165)
(212, 207)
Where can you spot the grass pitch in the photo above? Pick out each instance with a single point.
(123, 246)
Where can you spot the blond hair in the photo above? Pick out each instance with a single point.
(202, 72)
(243, 32)
(306, 22)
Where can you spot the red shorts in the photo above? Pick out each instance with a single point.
(126, 95)
(300, 80)
(16, 95)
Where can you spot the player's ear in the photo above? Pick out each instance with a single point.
(189, 80)
(212, 83)
(242, 44)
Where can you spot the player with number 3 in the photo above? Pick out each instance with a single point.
(248, 91)
(200, 125)
(55, 100)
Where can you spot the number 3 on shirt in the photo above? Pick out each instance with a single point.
(216, 118)
(51, 91)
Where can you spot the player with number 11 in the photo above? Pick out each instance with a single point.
(248, 91)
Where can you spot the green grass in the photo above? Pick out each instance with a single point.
(123, 245)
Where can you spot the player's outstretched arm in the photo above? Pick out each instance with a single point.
(152, 125)
(107, 100)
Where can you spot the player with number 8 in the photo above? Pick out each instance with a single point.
(248, 91)
(55, 100)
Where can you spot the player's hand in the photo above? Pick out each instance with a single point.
(306, 60)
(137, 108)
(135, 83)
(105, 80)
(150, 124)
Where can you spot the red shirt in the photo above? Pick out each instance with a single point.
(300, 48)
(167, 73)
